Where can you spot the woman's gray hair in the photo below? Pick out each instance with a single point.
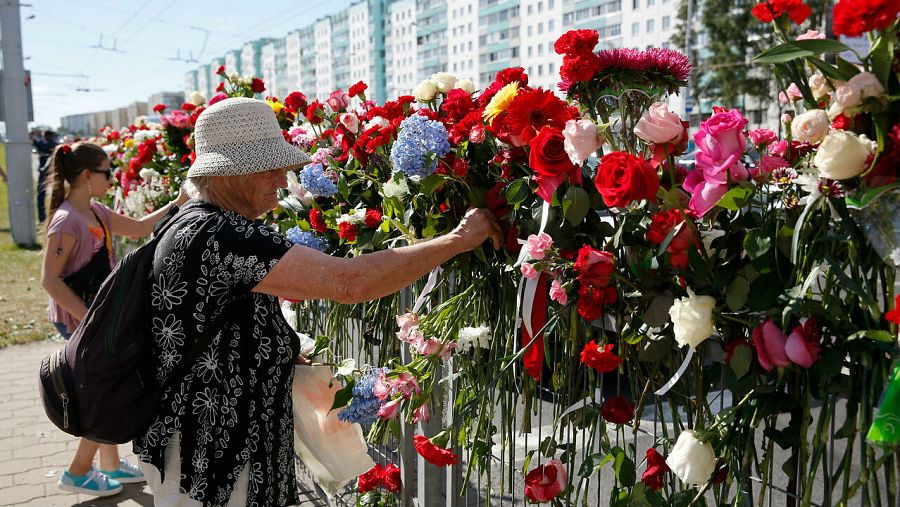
(197, 187)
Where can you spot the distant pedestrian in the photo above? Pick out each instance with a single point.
(44, 146)
(79, 248)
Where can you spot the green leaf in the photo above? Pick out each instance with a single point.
(344, 188)
(624, 468)
(397, 187)
(793, 50)
(757, 244)
(737, 293)
(518, 191)
(829, 70)
(873, 334)
(741, 360)
(431, 183)
(346, 367)
(342, 398)
(592, 464)
(527, 462)
(882, 56)
(736, 198)
(576, 205)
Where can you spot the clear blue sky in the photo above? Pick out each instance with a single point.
(61, 41)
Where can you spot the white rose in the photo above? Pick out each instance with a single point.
(819, 85)
(811, 126)
(842, 155)
(197, 99)
(867, 84)
(147, 174)
(692, 316)
(425, 91)
(692, 460)
(466, 85)
(444, 81)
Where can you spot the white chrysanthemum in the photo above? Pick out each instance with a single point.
(354, 216)
(148, 174)
(470, 337)
(197, 99)
(376, 121)
(110, 149)
(142, 135)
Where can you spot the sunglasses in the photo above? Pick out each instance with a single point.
(107, 172)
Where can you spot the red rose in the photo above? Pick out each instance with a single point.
(392, 479)
(370, 480)
(460, 167)
(618, 410)
(496, 202)
(221, 70)
(159, 108)
(550, 162)
(576, 42)
(768, 10)
(357, 89)
(257, 85)
(592, 299)
(661, 224)
(373, 218)
(295, 101)
(856, 17)
(623, 178)
(433, 454)
(656, 469)
(594, 267)
(546, 482)
(316, 221)
(579, 68)
(603, 361)
(347, 231)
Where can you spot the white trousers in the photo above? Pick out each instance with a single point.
(167, 494)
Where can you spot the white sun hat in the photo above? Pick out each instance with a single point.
(241, 136)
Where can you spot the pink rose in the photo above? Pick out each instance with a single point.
(844, 97)
(866, 83)
(761, 137)
(811, 126)
(528, 271)
(810, 35)
(769, 341)
(546, 482)
(705, 194)
(350, 121)
(581, 139)
(791, 94)
(538, 245)
(558, 293)
(802, 346)
(721, 142)
(390, 409)
(338, 100)
(658, 125)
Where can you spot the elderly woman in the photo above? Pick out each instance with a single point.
(224, 434)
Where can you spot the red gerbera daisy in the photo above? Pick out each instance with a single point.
(534, 109)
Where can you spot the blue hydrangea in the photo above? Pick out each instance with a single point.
(307, 239)
(420, 144)
(314, 180)
(363, 408)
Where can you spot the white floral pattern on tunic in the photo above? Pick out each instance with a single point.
(233, 406)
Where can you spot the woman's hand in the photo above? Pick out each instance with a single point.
(477, 226)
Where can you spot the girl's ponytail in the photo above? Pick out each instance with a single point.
(57, 179)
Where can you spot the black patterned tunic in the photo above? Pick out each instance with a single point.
(233, 408)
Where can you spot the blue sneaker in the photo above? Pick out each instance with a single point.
(126, 474)
(92, 483)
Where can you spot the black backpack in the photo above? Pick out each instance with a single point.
(100, 384)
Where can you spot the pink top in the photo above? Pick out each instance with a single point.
(68, 221)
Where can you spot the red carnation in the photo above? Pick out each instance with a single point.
(768, 10)
(841, 122)
(856, 17)
(391, 477)
(347, 231)
(433, 454)
(623, 178)
(603, 361)
(187, 106)
(894, 315)
(295, 101)
(370, 480)
(579, 68)
(257, 85)
(221, 70)
(503, 78)
(618, 410)
(220, 87)
(457, 105)
(656, 469)
(533, 110)
(315, 113)
(592, 299)
(373, 218)
(357, 89)
(316, 221)
(576, 42)
(159, 108)
(594, 267)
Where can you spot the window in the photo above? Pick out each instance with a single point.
(540, 49)
(529, 30)
(636, 4)
(666, 22)
(635, 28)
(550, 68)
(541, 70)
(650, 2)
(541, 27)
(530, 9)
(650, 24)
(541, 6)
(550, 25)
(529, 51)
(549, 4)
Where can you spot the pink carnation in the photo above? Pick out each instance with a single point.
(558, 293)
(538, 245)
(528, 271)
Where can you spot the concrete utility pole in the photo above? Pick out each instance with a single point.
(18, 146)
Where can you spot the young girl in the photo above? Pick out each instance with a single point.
(78, 256)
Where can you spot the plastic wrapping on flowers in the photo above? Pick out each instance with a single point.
(750, 280)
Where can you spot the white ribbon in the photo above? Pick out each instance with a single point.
(675, 378)
(531, 283)
(426, 290)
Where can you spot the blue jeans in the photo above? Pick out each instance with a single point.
(62, 330)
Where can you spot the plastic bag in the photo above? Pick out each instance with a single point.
(333, 451)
